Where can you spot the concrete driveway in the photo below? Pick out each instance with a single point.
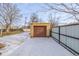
(40, 46)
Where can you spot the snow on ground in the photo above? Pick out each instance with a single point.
(41, 46)
(12, 42)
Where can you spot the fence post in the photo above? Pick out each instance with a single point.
(59, 34)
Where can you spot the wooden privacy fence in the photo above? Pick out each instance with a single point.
(68, 37)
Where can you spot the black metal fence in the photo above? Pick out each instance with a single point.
(68, 37)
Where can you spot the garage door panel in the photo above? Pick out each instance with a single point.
(39, 31)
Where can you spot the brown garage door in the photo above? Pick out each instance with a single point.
(39, 31)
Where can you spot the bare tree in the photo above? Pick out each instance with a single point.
(53, 20)
(8, 14)
(71, 8)
(34, 18)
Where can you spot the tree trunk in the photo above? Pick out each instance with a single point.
(8, 28)
(1, 32)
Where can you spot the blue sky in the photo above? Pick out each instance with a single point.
(41, 10)
(28, 8)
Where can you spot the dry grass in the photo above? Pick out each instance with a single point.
(11, 33)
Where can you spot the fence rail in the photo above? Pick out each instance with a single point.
(67, 36)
